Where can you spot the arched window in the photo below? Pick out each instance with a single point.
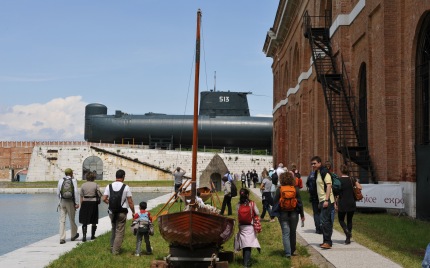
(94, 164)
(422, 119)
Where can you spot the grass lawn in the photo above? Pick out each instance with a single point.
(97, 254)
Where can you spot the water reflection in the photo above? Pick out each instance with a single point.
(28, 218)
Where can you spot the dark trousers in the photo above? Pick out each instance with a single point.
(249, 183)
(316, 213)
(349, 215)
(326, 222)
(246, 253)
(226, 201)
(243, 184)
(267, 203)
(139, 237)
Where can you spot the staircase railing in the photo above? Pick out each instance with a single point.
(338, 96)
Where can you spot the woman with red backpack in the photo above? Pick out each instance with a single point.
(288, 199)
(246, 238)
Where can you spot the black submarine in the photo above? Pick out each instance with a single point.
(224, 121)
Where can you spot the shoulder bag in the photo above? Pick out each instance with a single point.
(256, 221)
(356, 191)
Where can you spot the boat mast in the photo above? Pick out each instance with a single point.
(196, 106)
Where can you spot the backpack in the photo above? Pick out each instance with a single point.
(143, 223)
(275, 178)
(244, 214)
(336, 184)
(233, 189)
(312, 184)
(67, 189)
(115, 205)
(299, 182)
(288, 200)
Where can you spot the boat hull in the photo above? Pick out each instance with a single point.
(195, 229)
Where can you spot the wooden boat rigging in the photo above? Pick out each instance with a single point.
(195, 228)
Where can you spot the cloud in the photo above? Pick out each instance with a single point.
(58, 119)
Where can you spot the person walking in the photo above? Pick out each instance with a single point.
(116, 195)
(266, 198)
(67, 193)
(290, 206)
(227, 197)
(178, 175)
(346, 203)
(243, 179)
(246, 238)
(254, 177)
(248, 178)
(326, 200)
(89, 213)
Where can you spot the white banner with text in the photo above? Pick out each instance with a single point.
(382, 196)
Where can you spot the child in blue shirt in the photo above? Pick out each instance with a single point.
(143, 218)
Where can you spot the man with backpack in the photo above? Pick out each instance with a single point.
(326, 200)
(116, 195)
(67, 192)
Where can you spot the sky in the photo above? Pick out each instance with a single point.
(136, 56)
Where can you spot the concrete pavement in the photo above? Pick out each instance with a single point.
(340, 255)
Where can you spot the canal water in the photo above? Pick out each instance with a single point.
(28, 218)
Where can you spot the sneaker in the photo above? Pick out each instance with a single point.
(62, 241)
(326, 246)
(137, 255)
(272, 220)
(76, 236)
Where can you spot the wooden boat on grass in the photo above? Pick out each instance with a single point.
(197, 227)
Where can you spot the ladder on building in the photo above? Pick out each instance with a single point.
(338, 98)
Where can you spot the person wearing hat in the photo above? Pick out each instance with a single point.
(67, 193)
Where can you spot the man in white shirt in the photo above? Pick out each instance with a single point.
(118, 217)
(281, 169)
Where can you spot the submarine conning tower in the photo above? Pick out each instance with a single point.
(221, 103)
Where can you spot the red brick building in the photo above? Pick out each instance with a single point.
(351, 84)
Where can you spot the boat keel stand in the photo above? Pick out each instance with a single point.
(181, 257)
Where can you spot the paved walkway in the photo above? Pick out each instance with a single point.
(354, 255)
(41, 253)
(340, 255)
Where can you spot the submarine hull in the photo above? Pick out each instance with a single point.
(220, 131)
(224, 121)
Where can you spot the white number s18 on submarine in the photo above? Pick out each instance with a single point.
(224, 121)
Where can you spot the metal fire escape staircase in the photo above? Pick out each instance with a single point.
(338, 98)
